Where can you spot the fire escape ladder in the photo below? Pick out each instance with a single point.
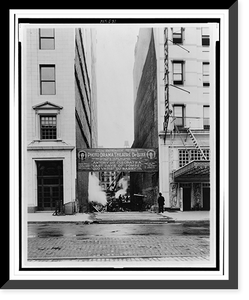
(197, 146)
(177, 130)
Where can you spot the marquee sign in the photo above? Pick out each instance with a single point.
(118, 159)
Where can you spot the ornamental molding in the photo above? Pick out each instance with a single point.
(47, 105)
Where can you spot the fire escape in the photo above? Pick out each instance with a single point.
(168, 112)
(115, 181)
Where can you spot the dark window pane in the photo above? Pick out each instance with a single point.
(177, 40)
(205, 41)
(177, 35)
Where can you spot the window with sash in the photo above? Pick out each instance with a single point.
(48, 127)
(205, 38)
(177, 72)
(178, 114)
(46, 39)
(205, 74)
(177, 35)
(206, 118)
(47, 79)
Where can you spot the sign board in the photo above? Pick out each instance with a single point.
(118, 159)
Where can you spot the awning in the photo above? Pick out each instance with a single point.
(196, 170)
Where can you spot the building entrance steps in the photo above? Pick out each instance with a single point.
(132, 217)
(151, 217)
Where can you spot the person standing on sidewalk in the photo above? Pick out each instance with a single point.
(160, 202)
(120, 203)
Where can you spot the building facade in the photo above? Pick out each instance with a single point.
(145, 115)
(184, 88)
(59, 114)
(107, 180)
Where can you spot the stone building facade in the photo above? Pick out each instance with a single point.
(58, 113)
(182, 74)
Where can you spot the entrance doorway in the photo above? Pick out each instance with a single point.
(186, 196)
(206, 198)
(49, 184)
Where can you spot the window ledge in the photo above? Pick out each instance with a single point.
(49, 145)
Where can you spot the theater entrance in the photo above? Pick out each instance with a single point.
(186, 196)
(206, 196)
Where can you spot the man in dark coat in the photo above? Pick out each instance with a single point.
(160, 202)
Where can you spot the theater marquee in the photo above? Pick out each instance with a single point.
(118, 159)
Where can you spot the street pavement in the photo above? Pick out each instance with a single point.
(66, 248)
(144, 241)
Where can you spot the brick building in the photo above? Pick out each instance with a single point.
(174, 92)
(145, 115)
(58, 113)
(107, 179)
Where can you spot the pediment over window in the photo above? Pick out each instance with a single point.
(47, 105)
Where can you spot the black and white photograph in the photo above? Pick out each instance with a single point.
(136, 104)
(119, 146)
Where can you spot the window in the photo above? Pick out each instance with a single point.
(48, 127)
(206, 185)
(188, 155)
(177, 35)
(178, 72)
(47, 121)
(206, 120)
(47, 79)
(46, 39)
(179, 115)
(183, 158)
(205, 73)
(205, 36)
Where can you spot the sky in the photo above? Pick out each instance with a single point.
(114, 68)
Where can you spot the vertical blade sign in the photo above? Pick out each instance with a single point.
(166, 83)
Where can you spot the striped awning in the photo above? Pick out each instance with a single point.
(196, 169)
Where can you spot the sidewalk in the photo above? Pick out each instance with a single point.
(121, 217)
(188, 215)
(48, 217)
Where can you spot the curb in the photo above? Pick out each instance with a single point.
(99, 257)
(172, 221)
(105, 222)
(135, 221)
